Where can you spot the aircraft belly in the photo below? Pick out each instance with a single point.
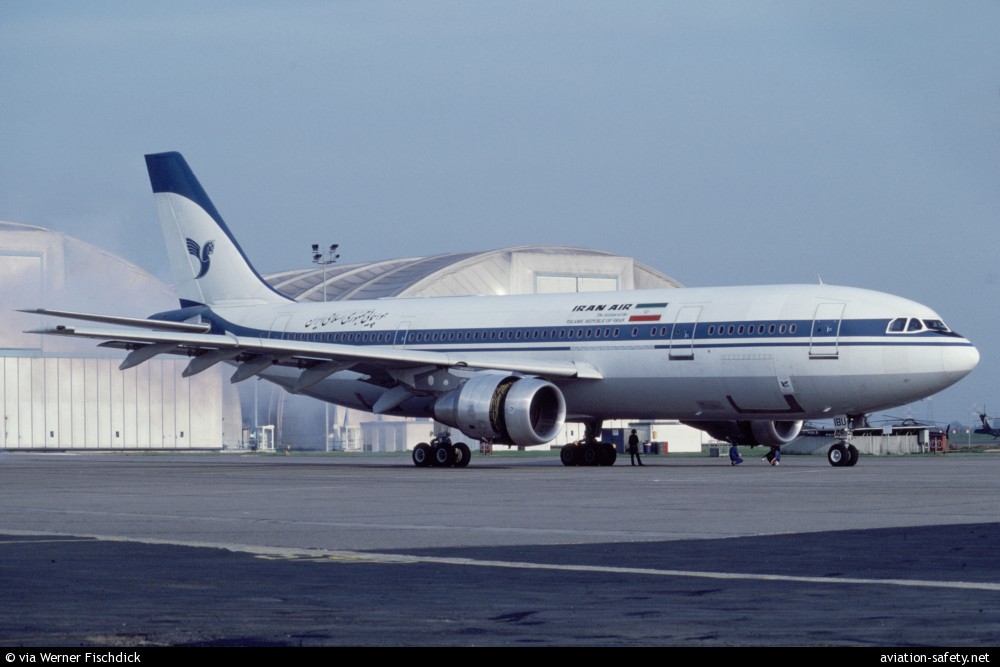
(343, 388)
(716, 384)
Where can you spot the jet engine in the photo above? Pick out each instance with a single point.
(504, 408)
(770, 433)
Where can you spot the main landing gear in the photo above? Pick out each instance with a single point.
(441, 453)
(589, 451)
(843, 453)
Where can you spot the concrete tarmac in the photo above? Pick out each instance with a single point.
(366, 550)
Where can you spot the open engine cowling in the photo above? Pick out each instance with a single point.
(769, 433)
(504, 408)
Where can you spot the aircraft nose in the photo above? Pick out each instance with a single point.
(960, 360)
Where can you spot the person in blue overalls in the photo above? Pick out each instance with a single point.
(734, 456)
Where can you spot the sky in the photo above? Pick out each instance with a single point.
(721, 143)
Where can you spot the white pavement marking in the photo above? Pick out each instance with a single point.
(321, 555)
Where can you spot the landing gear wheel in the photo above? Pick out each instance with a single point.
(568, 455)
(462, 455)
(837, 455)
(589, 454)
(608, 454)
(443, 455)
(422, 455)
(852, 455)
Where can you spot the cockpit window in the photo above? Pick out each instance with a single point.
(914, 325)
(936, 325)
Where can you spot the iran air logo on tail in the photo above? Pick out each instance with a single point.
(202, 255)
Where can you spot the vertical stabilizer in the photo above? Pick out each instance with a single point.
(208, 264)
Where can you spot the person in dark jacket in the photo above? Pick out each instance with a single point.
(633, 447)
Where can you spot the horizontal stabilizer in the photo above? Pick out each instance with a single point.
(156, 325)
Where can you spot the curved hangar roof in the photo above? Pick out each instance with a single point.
(519, 270)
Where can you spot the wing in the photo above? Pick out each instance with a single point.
(144, 339)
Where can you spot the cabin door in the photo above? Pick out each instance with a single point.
(401, 331)
(824, 339)
(682, 335)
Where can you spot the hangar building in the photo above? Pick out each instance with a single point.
(61, 393)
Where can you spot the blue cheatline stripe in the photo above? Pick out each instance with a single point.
(506, 340)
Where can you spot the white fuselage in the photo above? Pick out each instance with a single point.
(757, 353)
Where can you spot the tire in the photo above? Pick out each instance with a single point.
(462, 455)
(837, 455)
(568, 455)
(852, 456)
(589, 456)
(443, 456)
(608, 454)
(422, 455)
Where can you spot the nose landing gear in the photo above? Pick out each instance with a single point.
(843, 453)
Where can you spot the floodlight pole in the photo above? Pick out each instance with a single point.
(325, 259)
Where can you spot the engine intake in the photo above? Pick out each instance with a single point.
(769, 433)
(504, 408)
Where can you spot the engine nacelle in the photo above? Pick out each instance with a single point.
(504, 408)
(769, 433)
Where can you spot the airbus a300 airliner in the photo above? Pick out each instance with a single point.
(746, 364)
